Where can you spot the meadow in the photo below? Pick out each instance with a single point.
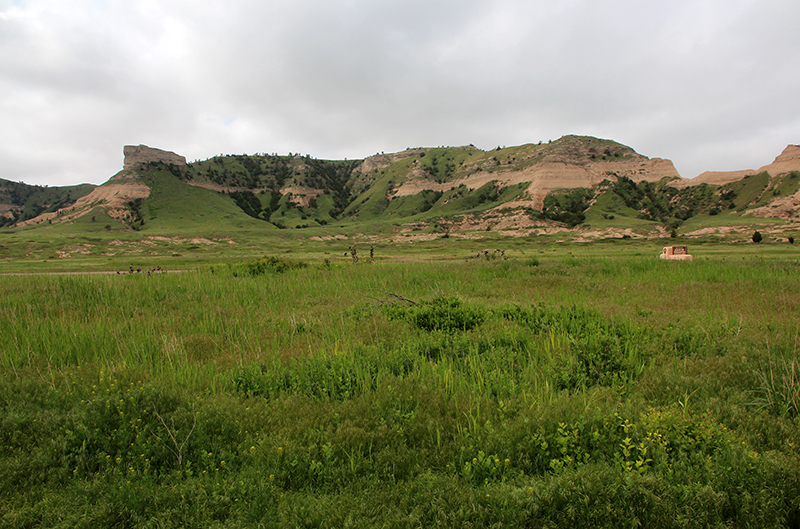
(585, 386)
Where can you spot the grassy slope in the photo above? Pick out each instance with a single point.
(610, 204)
(175, 213)
(175, 207)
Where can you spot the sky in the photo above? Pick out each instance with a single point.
(710, 85)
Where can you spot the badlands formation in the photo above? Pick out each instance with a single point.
(567, 163)
(136, 155)
(115, 194)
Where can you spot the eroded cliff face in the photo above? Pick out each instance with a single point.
(112, 197)
(136, 155)
(785, 162)
(115, 195)
(567, 163)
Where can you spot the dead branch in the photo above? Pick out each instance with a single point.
(381, 301)
(178, 451)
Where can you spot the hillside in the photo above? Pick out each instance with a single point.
(772, 191)
(20, 202)
(600, 186)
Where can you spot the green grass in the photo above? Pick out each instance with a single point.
(176, 207)
(610, 211)
(749, 189)
(569, 385)
(728, 218)
(787, 184)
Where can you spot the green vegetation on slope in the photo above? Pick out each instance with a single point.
(272, 173)
(176, 207)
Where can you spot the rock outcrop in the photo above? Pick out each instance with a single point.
(785, 162)
(139, 154)
(717, 178)
(111, 196)
(115, 195)
(570, 162)
(380, 161)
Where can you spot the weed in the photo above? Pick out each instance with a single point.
(779, 386)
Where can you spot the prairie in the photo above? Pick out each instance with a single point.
(553, 385)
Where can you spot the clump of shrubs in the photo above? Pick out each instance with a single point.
(266, 265)
(443, 313)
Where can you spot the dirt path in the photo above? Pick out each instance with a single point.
(96, 272)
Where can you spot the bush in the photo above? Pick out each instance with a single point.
(267, 265)
(441, 314)
(757, 236)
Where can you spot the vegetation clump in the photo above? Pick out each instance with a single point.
(266, 265)
(443, 313)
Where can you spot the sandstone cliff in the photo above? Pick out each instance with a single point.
(139, 154)
(570, 162)
(114, 195)
(786, 162)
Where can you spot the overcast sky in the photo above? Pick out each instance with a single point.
(711, 85)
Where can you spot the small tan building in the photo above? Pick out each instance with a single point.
(675, 252)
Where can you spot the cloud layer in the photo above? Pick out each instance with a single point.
(711, 85)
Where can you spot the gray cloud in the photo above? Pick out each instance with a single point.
(709, 84)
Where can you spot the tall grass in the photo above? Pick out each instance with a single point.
(482, 393)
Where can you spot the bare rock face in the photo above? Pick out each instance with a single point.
(380, 161)
(139, 154)
(785, 162)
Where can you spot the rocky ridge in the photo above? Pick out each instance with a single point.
(786, 162)
(136, 155)
(570, 162)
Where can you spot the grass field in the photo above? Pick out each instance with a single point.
(568, 385)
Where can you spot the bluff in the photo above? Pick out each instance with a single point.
(567, 163)
(114, 197)
(136, 155)
(786, 162)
